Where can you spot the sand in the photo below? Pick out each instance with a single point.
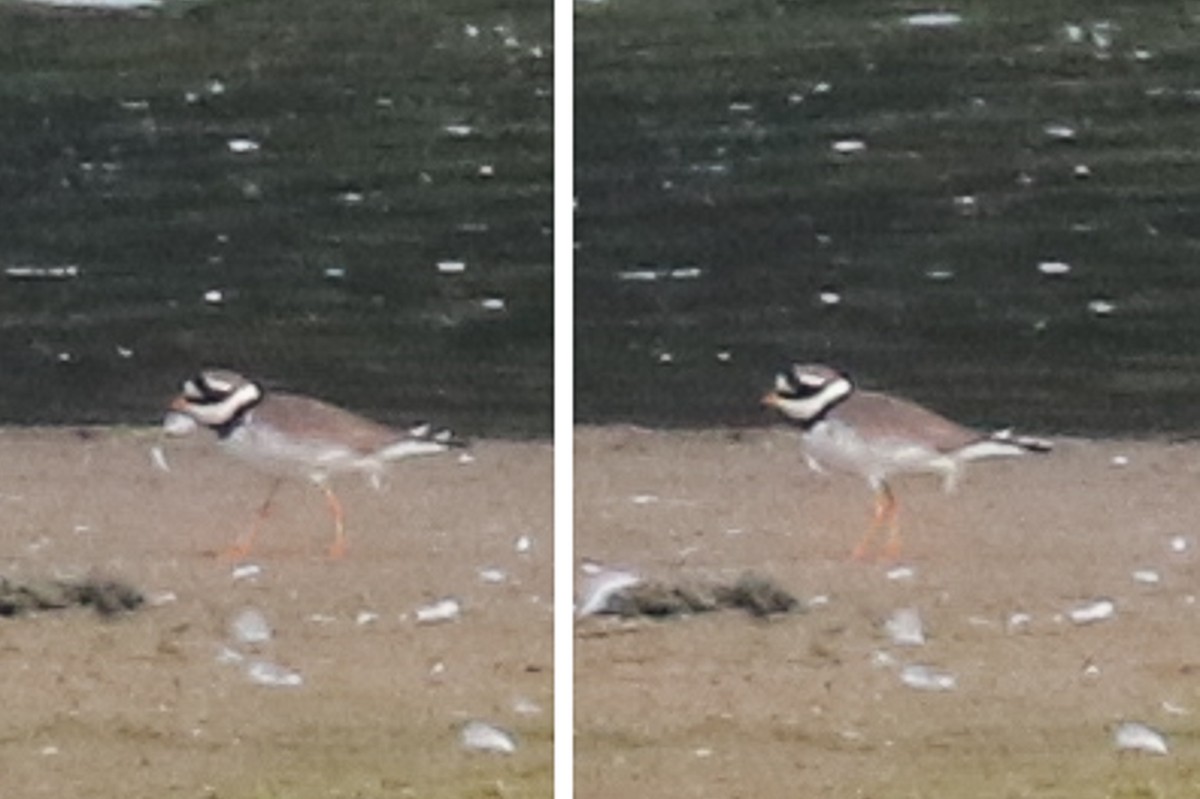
(812, 704)
(142, 705)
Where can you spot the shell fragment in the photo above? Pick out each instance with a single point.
(1137, 737)
(926, 678)
(479, 736)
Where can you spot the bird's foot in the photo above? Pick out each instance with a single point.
(861, 552)
(236, 553)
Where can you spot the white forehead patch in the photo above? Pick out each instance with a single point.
(782, 384)
(811, 379)
(191, 390)
(219, 385)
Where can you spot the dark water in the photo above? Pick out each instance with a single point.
(382, 137)
(723, 230)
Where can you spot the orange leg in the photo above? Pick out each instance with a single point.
(891, 549)
(885, 516)
(241, 548)
(337, 549)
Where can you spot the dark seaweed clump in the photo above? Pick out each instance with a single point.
(106, 597)
(759, 596)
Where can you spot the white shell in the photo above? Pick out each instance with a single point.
(446, 609)
(251, 627)
(227, 655)
(1135, 736)
(599, 590)
(1018, 621)
(1098, 610)
(926, 678)
(272, 675)
(493, 576)
(905, 628)
(245, 571)
(479, 736)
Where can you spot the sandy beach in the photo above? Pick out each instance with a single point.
(156, 703)
(813, 704)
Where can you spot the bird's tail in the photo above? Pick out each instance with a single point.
(1003, 444)
(422, 440)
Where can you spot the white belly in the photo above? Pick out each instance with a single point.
(836, 446)
(268, 449)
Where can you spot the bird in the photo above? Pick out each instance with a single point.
(877, 435)
(295, 436)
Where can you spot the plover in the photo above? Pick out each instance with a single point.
(289, 435)
(876, 435)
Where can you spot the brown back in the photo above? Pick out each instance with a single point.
(883, 416)
(311, 419)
